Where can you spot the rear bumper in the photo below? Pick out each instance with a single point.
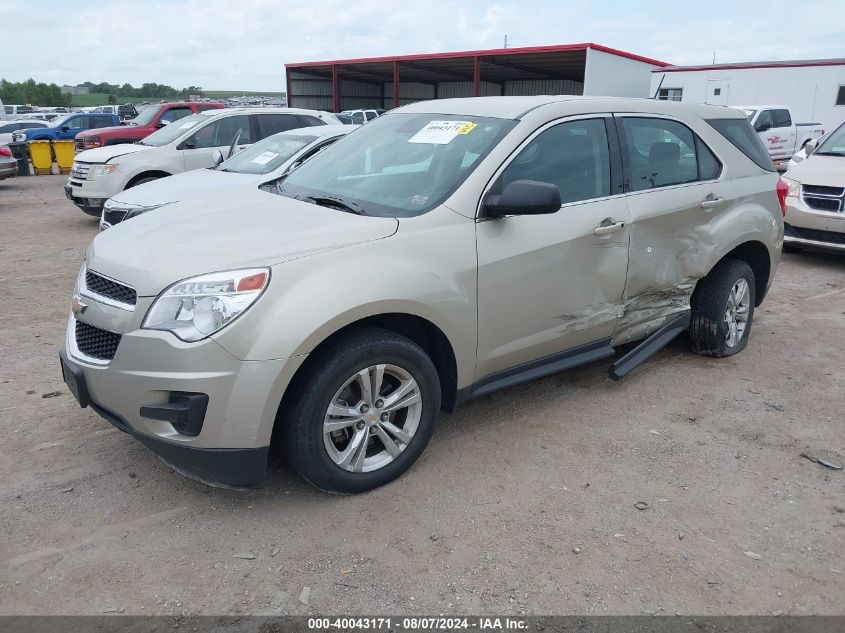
(8, 169)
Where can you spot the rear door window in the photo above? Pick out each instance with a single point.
(308, 120)
(101, 121)
(781, 118)
(269, 124)
(659, 152)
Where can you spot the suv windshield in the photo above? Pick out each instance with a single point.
(145, 115)
(399, 165)
(170, 133)
(267, 155)
(833, 144)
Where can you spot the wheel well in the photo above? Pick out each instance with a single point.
(146, 174)
(756, 255)
(422, 332)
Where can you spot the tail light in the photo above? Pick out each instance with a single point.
(5, 151)
(782, 190)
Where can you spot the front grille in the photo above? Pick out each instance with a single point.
(817, 235)
(114, 216)
(79, 144)
(823, 198)
(95, 342)
(824, 190)
(80, 170)
(107, 288)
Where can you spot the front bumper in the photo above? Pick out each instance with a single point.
(804, 226)
(231, 445)
(91, 206)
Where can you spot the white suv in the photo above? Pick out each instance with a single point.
(187, 144)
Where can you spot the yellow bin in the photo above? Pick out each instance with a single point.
(41, 156)
(64, 155)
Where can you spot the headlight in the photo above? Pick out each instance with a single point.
(91, 141)
(793, 188)
(101, 170)
(195, 308)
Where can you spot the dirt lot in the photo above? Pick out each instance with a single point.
(523, 503)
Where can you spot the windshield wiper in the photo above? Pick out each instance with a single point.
(337, 203)
(828, 153)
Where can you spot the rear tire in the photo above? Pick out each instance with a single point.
(722, 310)
(345, 398)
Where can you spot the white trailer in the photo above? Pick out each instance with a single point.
(814, 90)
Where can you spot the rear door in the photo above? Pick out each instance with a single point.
(717, 91)
(548, 284)
(674, 191)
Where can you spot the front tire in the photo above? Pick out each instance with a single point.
(722, 310)
(361, 413)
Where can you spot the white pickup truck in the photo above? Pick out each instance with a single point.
(776, 127)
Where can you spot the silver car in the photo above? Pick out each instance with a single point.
(445, 250)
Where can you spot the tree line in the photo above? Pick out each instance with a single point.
(28, 91)
(147, 90)
(50, 95)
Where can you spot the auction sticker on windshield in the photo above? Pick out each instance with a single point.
(442, 132)
(264, 158)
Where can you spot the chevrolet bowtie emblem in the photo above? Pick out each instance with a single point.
(77, 306)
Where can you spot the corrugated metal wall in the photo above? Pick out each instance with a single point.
(309, 91)
(530, 87)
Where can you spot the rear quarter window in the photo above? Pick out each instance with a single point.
(742, 136)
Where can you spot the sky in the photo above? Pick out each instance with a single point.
(244, 44)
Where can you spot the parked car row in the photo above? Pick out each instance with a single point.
(329, 301)
(186, 144)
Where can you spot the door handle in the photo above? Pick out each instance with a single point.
(712, 201)
(608, 226)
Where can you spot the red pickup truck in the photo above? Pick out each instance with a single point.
(149, 119)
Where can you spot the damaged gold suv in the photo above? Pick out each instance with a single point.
(445, 250)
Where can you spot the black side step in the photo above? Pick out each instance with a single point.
(650, 346)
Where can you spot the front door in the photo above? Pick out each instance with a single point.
(198, 149)
(550, 283)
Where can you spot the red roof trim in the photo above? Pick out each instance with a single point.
(560, 48)
(685, 69)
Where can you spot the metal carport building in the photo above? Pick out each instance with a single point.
(388, 82)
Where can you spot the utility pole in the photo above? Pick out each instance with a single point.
(506, 40)
(714, 57)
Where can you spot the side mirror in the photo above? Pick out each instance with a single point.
(217, 158)
(162, 123)
(810, 146)
(524, 197)
(64, 128)
(762, 127)
(188, 144)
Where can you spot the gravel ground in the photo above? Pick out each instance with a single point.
(523, 503)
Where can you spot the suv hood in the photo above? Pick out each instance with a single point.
(224, 231)
(182, 187)
(105, 154)
(120, 129)
(819, 170)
